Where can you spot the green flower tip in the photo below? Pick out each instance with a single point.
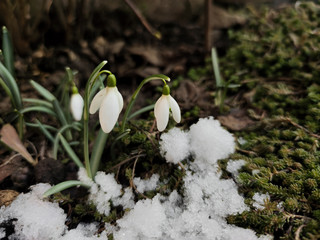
(4, 29)
(74, 90)
(166, 90)
(111, 80)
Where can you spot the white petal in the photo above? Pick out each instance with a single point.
(109, 111)
(161, 112)
(97, 100)
(175, 109)
(120, 99)
(76, 106)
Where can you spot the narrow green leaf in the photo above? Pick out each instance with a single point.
(7, 51)
(42, 91)
(63, 186)
(216, 69)
(46, 132)
(70, 151)
(38, 109)
(95, 74)
(6, 89)
(48, 127)
(142, 110)
(62, 118)
(12, 85)
(38, 102)
(233, 85)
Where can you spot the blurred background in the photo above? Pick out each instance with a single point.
(137, 37)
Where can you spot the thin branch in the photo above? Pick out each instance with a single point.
(143, 20)
(289, 120)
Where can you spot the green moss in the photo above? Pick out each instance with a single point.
(278, 51)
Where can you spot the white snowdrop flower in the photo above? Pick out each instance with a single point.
(110, 102)
(162, 108)
(76, 106)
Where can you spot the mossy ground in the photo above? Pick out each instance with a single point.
(276, 59)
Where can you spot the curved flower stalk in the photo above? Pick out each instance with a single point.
(162, 109)
(76, 104)
(109, 101)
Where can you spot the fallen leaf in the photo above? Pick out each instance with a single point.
(236, 120)
(10, 137)
(149, 53)
(7, 196)
(10, 166)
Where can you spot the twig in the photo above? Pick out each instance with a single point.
(125, 161)
(297, 233)
(131, 180)
(182, 167)
(289, 120)
(143, 20)
(246, 151)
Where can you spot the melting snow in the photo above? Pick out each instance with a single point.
(197, 214)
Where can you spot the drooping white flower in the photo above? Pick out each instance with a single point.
(162, 109)
(110, 102)
(76, 106)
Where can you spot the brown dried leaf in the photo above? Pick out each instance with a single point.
(10, 166)
(7, 196)
(237, 120)
(10, 137)
(149, 53)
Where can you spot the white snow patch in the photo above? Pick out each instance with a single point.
(144, 185)
(2, 233)
(174, 145)
(84, 232)
(260, 199)
(197, 214)
(36, 218)
(209, 142)
(126, 200)
(233, 166)
(143, 222)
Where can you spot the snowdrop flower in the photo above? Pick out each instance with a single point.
(76, 104)
(162, 108)
(110, 102)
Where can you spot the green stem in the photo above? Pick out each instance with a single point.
(162, 77)
(93, 77)
(97, 151)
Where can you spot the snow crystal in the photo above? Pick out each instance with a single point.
(209, 142)
(84, 232)
(103, 190)
(83, 176)
(174, 145)
(2, 233)
(259, 200)
(126, 200)
(108, 184)
(144, 185)
(36, 219)
(233, 166)
(142, 222)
